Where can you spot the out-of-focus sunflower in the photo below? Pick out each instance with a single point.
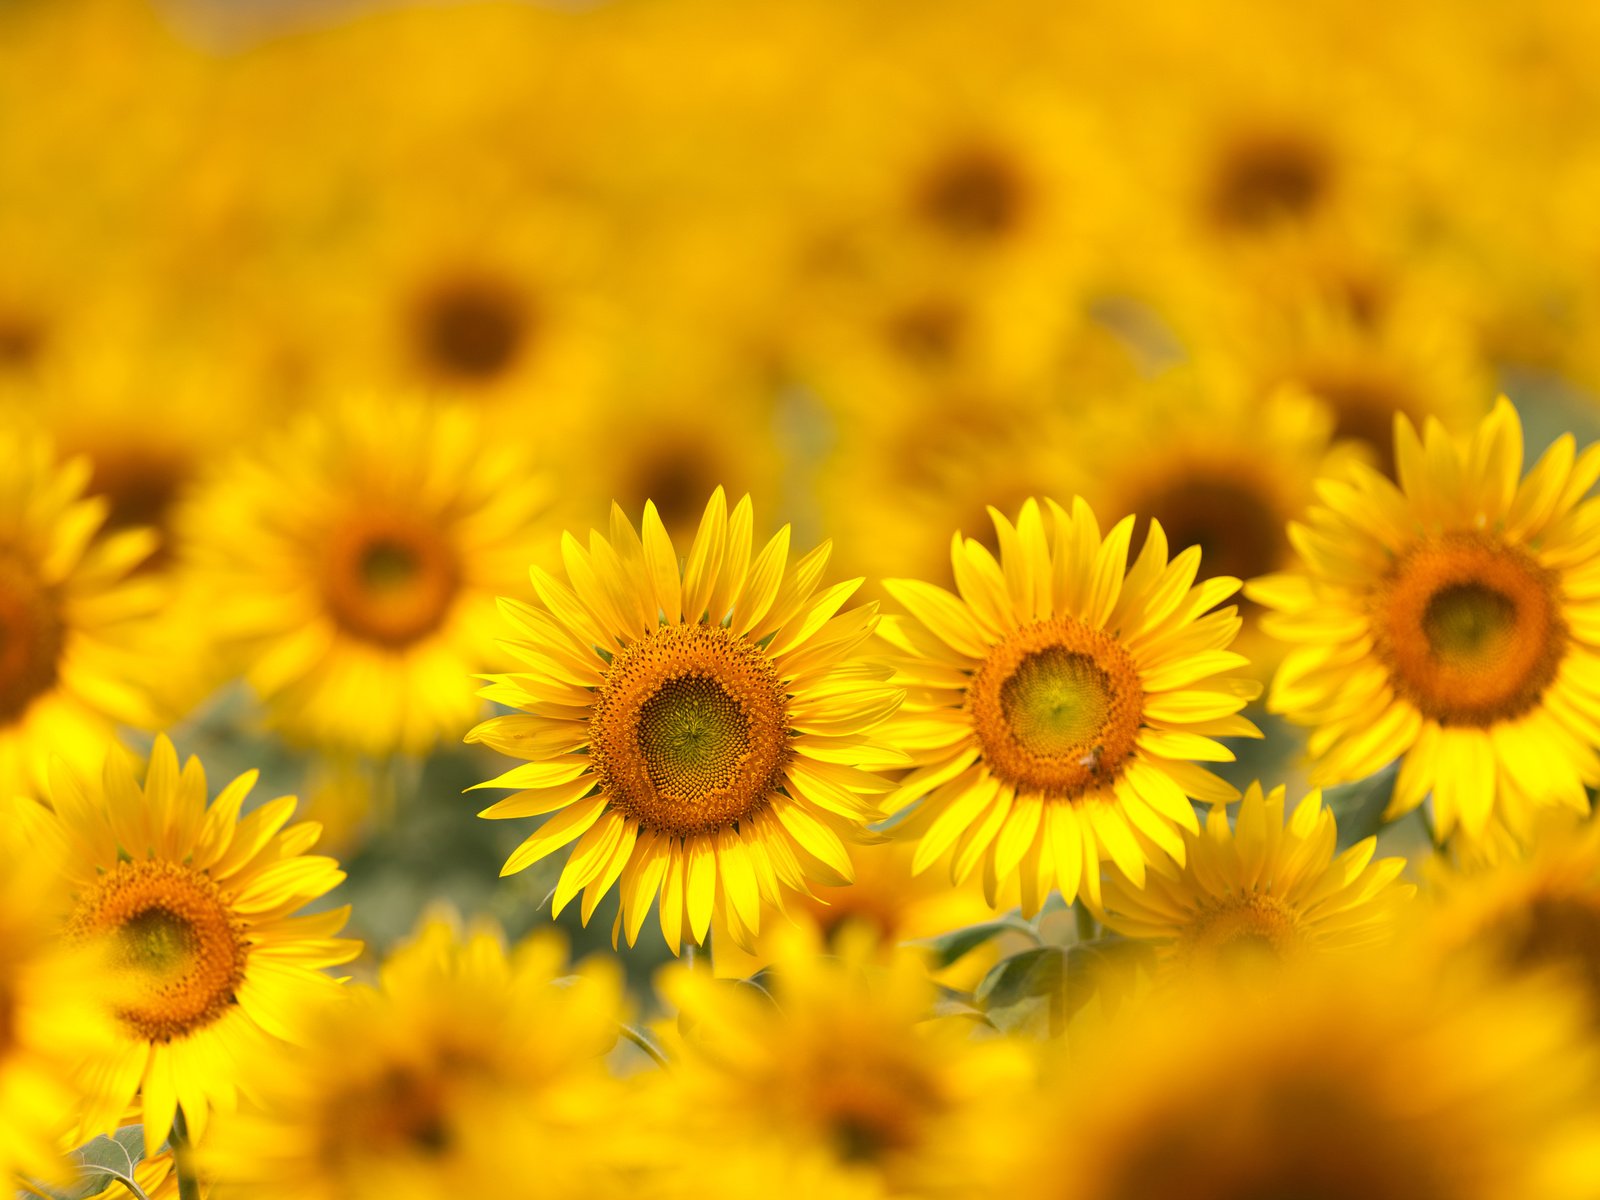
(698, 727)
(468, 1071)
(1055, 707)
(1268, 888)
(1386, 1081)
(70, 615)
(199, 907)
(838, 1082)
(352, 562)
(1447, 622)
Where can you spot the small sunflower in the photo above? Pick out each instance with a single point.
(463, 1068)
(1055, 707)
(198, 906)
(352, 562)
(1450, 622)
(699, 728)
(840, 1078)
(70, 616)
(1268, 888)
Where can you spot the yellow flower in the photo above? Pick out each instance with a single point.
(1447, 622)
(467, 1072)
(1368, 1083)
(1055, 707)
(840, 1077)
(70, 616)
(698, 728)
(353, 561)
(1269, 888)
(198, 906)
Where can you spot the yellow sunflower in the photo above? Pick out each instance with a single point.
(838, 1082)
(467, 1072)
(1270, 888)
(1451, 622)
(198, 905)
(70, 616)
(1055, 707)
(699, 728)
(352, 563)
(1386, 1082)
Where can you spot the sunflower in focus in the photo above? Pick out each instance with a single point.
(1056, 706)
(70, 615)
(838, 1082)
(198, 907)
(1447, 622)
(1383, 1082)
(1268, 889)
(698, 728)
(351, 563)
(417, 1087)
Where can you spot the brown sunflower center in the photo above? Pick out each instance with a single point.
(21, 340)
(677, 476)
(927, 333)
(873, 1103)
(1240, 931)
(391, 578)
(31, 638)
(473, 329)
(1561, 930)
(180, 953)
(690, 730)
(1364, 403)
(1268, 178)
(973, 195)
(1470, 628)
(1230, 517)
(403, 1109)
(1057, 706)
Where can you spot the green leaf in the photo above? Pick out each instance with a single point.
(100, 1163)
(1358, 807)
(1024, 991)
(950, 947)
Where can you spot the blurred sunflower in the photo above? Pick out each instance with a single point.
(1446, 622)
(699, 728)
(1369, 1084)
(352, 560)
(1055, 707)
(422, 1086)
(1269, 889)
(70, 615)
(838, 1078)
(198, 907)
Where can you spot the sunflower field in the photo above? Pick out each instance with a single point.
(863, 599)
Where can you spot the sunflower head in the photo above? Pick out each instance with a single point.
(697, 726)
(1057, 701)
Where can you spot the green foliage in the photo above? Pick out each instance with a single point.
(99, 1164)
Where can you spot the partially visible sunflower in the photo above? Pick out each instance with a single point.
(1056, 706)
(352, 561)
(1450, 622)
(70, 615)
(467, 1072)
(200, 909)
(1268, 889)
(699, 728)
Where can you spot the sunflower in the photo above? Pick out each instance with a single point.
(70, 616)
(463, 1067)
(839, 1077)
(52, 1017)
(1447, 622)
(1386, 1081)
(199, 908)
(1268, 888)
(699, 728)
(1055, 707)
(352, 562)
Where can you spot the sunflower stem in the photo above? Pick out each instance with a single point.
(1087, 929)
(183, 1159)
(642, 1040)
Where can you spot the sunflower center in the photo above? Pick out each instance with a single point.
(1562, 930)
(1057, 707)
(179, 953)
(1241, 931)
(928, 333)
(20, 342)
(677, 477)
(1236, 525)
(1470, 628)
(390, 579)
(975, 195)
(1269, 178)
(690, 730)
(473, 329)
(31, 638)
(401, 1110)
(1364, 405)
